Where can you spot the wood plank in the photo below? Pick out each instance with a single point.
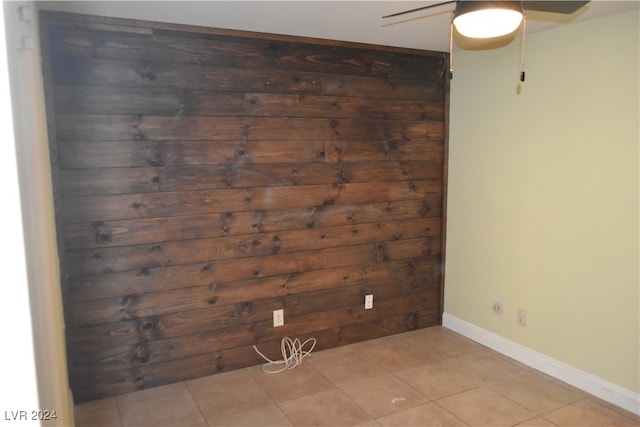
(109, 260)
(188, 48)
(148, 205)
(92, 388)
(341, 85)
(155, 329)
(214, 321)
(105, 154)
(268, 104)
(390, 149)
(97, 181)
(92, 127)
(208, 273)
(157, 230)
(169, 101)
(73, 70)
(87, 127)
(117, 358)
(77, 182)
(85, 313)
(157, 101)
(260, 175)
(350, 61)
(306, 324)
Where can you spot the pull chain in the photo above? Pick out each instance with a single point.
(522, 46)
(451, 48)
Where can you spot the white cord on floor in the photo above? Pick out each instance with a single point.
(292, 354)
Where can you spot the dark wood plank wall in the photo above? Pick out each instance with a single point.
(205, 178)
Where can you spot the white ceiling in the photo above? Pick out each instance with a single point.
(357, 21)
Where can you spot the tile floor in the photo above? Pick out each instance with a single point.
(429, 377)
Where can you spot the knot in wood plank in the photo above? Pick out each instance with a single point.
(245, 309)
(425, 209)
(142, 354)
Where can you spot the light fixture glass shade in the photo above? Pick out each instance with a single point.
(479, 19)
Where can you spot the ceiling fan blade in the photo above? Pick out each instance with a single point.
(419, 8)
(566, 7)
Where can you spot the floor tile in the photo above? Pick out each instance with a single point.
(348, 367)
(301, 381)
(534, 392)
(588, 413)
(370, 423)
(339, 351)
(428, 414)
(536, 422)
(483, 407)
(383, 395)
(583, 394)
(438, 344)
(223, 395)
(483, 366)
(427, 377)
(99, 418)
(266, 416)
(150, 393)
(98, 413)
(437, 380)
(170, 405)
(327, 408)
(395, 354)
(95, 405)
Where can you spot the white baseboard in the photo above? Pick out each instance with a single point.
(603, 389)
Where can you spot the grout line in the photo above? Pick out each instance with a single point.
(337, 388)
(119, 410)
(449, 412)
(275, 402)
(119, 413)
(196, 403)
(537, 416)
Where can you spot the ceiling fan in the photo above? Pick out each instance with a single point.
(488, 19)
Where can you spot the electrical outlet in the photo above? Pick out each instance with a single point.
(368, 302)
(278, 318)
(497, 308)
(522, 317)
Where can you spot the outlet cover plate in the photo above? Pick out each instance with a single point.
(278, 318)
(368, 302)
(497, 308)
(522, 317)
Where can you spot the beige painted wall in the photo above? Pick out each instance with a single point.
(543, 195)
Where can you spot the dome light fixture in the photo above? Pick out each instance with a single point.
(487, 19)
